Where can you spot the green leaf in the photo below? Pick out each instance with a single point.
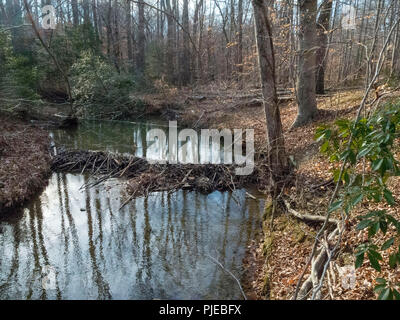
(393, 260)
(396, 294)
(378, 288)
(389, 197)
(359, 260)
(384, 295)
(374, 262)
(324, 146)
(363, 224)
(375, 254)
(387, 244)
(357, 199)
(377, 164)
(373, 229)
(335, 206)
(364, 151)
(383, 226)
(336, 175)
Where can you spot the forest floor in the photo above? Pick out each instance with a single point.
(24, 162)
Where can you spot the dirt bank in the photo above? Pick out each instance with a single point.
(24, 162)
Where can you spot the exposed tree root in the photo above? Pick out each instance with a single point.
(321, 255)
(308, 217)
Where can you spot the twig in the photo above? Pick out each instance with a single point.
(230, 273)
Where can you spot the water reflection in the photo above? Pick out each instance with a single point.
(154, 248)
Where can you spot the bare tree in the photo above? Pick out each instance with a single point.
(277, 158)
(323, 30)
(306, 99)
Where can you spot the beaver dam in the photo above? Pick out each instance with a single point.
(144, 177)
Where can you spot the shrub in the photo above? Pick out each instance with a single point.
(98, 88)
(365, 148)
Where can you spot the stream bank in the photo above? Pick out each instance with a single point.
(24, 162)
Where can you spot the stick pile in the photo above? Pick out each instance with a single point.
(144, 177)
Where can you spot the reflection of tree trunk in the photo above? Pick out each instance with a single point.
(71, 222)
(307, 103)
(102, 285)
(39, 220)
(322, 38)
(276, 152)
(147, 239)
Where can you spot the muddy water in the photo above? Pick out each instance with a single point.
(77, 244)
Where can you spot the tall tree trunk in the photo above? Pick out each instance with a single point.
(117, 49)
(196, 18)
(129, 34)
(323, 25)
(239, 61)
(75, 12)
(95, 20)
(186, 46)
(170, 43)
(109, 30)
(140, 59)
(276, 150)
(306, 99)
(86, 16)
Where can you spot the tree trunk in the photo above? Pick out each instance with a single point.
(117, 49)
(95, 20)
(186, 47)
(129, 34)
(276, 150)
(239, 61)
(141, 39)
(307, 103)
(170, 43)
(86, 16)
(75, 12)
(323, 25)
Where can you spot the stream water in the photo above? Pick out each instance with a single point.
(70, 243)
